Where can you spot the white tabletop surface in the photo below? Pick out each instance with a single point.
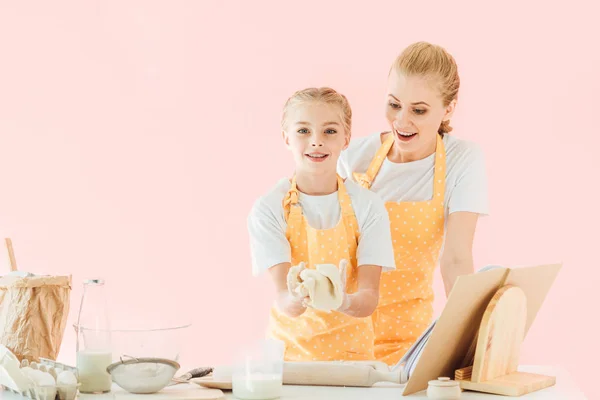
(565, 388)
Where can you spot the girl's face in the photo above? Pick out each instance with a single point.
(315, 135)
(414, 111)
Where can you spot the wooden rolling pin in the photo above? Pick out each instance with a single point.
(323, 373)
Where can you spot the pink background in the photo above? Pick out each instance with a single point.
(135, 137)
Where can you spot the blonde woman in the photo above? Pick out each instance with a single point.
(317, 218)
(434, 187)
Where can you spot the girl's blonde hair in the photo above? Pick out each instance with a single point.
(429, 60)
(324, 95)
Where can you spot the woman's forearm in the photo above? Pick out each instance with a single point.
(453, 267)
(457, 258)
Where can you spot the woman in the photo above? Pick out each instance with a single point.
(434, 186)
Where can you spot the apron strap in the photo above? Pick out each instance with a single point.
(291, 208)
(293, 211)
(366, 179)
(344, 198)
(439, 174)
(348, 215)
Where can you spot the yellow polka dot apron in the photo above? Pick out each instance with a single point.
(318, 335)
(406, 294)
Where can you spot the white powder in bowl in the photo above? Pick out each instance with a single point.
(145, 377)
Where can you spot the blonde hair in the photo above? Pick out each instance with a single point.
(324, 95)
(429, 60)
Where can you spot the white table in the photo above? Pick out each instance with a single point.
(565, 389)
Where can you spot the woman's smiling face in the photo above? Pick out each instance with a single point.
(415, 111)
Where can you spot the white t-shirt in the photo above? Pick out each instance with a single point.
(267, 226)
(466, 181)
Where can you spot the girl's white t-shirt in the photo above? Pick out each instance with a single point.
(267, 226)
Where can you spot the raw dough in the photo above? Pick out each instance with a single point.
(323, 286)
(293, 278)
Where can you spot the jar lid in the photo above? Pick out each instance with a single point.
(95, 281)
(444, 382)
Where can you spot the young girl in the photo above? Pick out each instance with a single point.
(317, 218)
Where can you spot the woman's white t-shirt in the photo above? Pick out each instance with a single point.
(466, 180)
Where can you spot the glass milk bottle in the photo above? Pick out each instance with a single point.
(93, 339)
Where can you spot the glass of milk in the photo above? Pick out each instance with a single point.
(93, 339)
(259, 372)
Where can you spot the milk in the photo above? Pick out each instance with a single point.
(91, 367)
(257, 386)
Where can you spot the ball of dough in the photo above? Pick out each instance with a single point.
(323, 285)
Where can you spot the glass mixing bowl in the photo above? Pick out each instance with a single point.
(163, 342)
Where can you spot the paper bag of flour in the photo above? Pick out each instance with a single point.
(33, 314)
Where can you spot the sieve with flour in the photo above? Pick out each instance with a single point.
(143, 375)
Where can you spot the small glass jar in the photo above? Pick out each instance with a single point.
(259, 373)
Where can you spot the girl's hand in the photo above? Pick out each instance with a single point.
(343, 277)
(294, 280)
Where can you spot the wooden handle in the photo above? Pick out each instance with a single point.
(334, 374)
(11, 254)
(385, 376)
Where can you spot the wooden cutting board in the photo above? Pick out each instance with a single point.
(500, 335)
(210, 382)
(174, 393)
(514, 384)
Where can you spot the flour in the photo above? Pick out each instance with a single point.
(143, 377)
